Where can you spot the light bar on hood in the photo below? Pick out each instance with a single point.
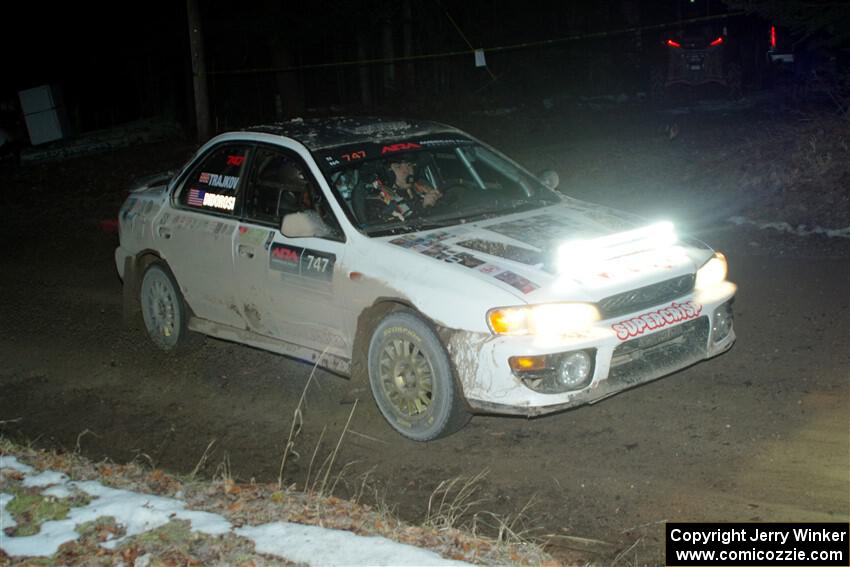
(592, 251)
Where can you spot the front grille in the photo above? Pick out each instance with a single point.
(661, 353)
(647, 296)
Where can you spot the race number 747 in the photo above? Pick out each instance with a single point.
(317, 264)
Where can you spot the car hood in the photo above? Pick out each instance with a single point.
(572, 251)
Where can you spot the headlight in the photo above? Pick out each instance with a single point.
(545, 319)
(712, 272)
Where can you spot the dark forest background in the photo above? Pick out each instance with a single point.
(268, 60)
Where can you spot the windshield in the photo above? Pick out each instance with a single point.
(430, 183)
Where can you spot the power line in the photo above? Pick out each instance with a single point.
(471, 51)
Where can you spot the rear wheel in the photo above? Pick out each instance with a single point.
(164, 312)
(411, 379)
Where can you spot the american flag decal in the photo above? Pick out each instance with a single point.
(204, 178)
(196, 198)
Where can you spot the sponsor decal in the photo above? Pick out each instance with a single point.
(670, 315)
(489, 269)
(255, 236)
(420, 243)
(331, 161)
(353, 156)
(400, 147)
(507, 251)
(464, 259)
(195, 198)
(442, 142)
(517, 281)
(303, 262)
(228, 182)
(128, 211)
(235, 160)
(220, 229)
(542, 230)
(610, 219)
(432, 247)
(216, 201)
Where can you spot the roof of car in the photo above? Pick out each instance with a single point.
(323, 133)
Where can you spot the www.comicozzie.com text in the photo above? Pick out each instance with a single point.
(757, 534)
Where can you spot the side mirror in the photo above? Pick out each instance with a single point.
(549, 178)
(304, 224)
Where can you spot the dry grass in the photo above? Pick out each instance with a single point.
(253, 504)
(452, 501)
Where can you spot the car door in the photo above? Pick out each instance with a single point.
(289, 287)
(197, 235)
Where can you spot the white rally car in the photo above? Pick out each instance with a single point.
(503, 296)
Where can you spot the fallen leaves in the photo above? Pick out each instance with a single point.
(242, 504)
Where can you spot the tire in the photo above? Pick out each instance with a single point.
(164, 312)
(412, 380)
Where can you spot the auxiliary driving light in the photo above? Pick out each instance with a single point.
(722, 322)
(555, 373)
(574, 370)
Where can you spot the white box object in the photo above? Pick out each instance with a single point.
(44, 127)
(44, 114)
(38, 99)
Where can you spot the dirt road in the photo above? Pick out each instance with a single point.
(761, 433)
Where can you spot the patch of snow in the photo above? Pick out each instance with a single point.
(60, 491)
(321, 546)
(44, 543)
(139, 513)
(7, 462)
(799, 230)
(45, 479)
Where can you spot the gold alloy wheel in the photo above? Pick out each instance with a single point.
(406, 378)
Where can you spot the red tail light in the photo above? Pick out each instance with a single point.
(716, 42)
(672, 43)
(773, 37)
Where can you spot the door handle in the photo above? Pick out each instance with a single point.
(164, 232)
(245, 251)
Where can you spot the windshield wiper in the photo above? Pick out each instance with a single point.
(497, 207)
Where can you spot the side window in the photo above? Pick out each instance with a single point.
(280, 184)
(214, 185)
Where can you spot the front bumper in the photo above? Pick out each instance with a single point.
(489, 385)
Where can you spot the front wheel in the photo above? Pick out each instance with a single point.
(411, 379)
(163, 309)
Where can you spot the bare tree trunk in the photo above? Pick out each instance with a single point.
(199, 71)
(388, 52)
(363, 70)
(407, 30)
(288, 83)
